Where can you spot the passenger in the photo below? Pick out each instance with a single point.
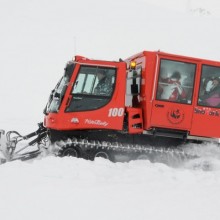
(208, 85)
(212, 93)
(104, 86)
(172, 89)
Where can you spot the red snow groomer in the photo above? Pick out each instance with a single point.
(150, 102)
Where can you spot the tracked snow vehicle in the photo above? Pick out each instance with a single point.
(150, 102)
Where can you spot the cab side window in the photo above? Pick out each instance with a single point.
(176, 80)
(95, 81)
(93, 88)
(209, 92)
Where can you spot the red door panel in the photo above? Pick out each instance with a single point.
(206, 122)
(172, 104)
(171, 115)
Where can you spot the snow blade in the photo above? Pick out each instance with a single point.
(3, 159)
(9, 149)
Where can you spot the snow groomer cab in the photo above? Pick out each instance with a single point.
(147, 94)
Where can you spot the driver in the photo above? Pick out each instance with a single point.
(104, 86)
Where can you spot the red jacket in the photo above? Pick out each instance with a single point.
(172, 91)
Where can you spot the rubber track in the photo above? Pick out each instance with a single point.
(122, 148)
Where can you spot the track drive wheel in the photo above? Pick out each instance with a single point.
(103, 154)
(142, 157)
(70, 151)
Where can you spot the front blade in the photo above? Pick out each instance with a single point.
(3, 147)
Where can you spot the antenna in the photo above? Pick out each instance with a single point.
(74, 45)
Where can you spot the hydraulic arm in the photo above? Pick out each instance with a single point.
(15, 146)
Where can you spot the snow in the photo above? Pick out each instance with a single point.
(37, 39)
(57, 188)
(68, 188)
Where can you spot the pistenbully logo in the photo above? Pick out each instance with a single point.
(96, 122)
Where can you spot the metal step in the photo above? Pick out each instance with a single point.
(170, 133)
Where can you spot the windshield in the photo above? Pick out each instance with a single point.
(57, 94)
(92, 89)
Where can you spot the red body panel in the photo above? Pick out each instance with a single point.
(94, 119)
(195, 119)
(157, 112)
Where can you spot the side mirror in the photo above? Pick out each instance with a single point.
(57, 95)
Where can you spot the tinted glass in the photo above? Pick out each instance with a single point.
(176, 80)
(58, 93)
(209, 92)
(92, 89)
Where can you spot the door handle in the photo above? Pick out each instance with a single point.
(159, 106)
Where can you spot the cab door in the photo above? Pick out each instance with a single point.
(206, 116)
(172, 94)
(93, 102)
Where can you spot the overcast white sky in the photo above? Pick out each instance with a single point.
(212, 6)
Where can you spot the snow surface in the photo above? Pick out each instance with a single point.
(37, 38)
(68, 188)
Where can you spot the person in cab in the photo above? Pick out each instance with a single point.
(172, 89)
(104, 85)
(211, 96)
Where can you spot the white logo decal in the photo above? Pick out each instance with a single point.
(75, 120)
(96, 122)
(116, 112)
